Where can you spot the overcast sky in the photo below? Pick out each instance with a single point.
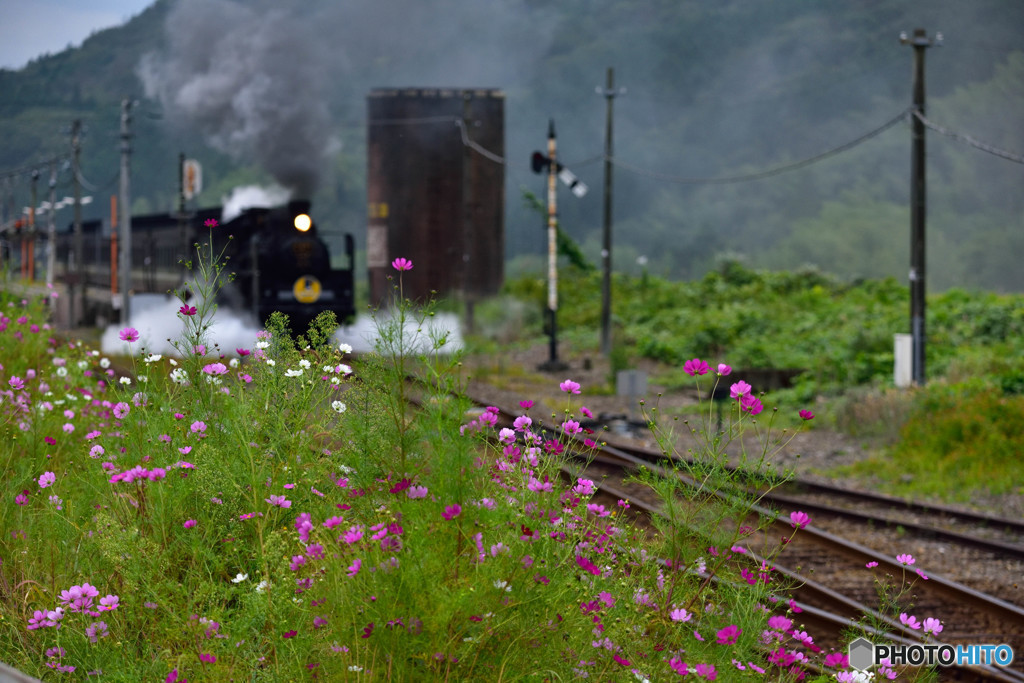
(29, 28)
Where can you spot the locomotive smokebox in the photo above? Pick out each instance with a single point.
(436, 191)
(297, 206)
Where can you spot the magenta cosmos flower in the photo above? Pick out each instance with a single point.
(129, 334)
(806, 415)
(570, 387)
(695, 367)
(187, 310)
(401, 264)
(799, 519)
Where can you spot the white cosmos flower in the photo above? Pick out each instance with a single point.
(339, 406)
(304, 364)
(240, 578)
(345, 348)
(293, 373)
(262, 586)
(104, 363)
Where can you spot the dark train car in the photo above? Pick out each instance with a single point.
(436, 190)
(279, 260)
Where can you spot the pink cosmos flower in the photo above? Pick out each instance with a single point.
(571, 427)
(583, 487)
(909, 621)
(779, 622)
(187, 310)
(905, 559)
(16, 383)
(401, 264)
(931, 625)
(871, 565)
(570, 387)
(806, 415)
(353, 568)
(678, 665)
(110, 603)
(121, 410)
(207, 658)
(706, 671)
(799, 519)
(129, 334)
(695, 367)
(215, 369)
(539, 486)
(739, 389)
(452, 511)
(680, 614)
(47, 479)
(751, 404)
(417, 492)
(729, 634)
(198, 427)
(279, 501)
(210, 222)
(837, 660)
(189, 523)
(526, 405)
(723, 369)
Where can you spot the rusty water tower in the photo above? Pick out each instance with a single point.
(436, 191)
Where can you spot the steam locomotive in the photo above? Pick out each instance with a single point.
(278, 256)
(281, 263)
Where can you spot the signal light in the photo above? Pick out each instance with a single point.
(303, 222)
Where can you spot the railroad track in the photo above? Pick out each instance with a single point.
(828, 573)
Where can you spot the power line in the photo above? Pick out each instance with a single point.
(27, 170)
(968, 140)
(770, 172)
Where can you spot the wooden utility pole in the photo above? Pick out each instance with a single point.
(919, 42)
(606, 243)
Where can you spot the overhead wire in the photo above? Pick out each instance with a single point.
(968, 140)
(770, 172)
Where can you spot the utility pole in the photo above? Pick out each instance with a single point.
(77, 278)
(51, 245)
(126, 211)
(919, 42)
(609, 93)
(32, 226)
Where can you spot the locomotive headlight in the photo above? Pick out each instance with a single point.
(303, 222)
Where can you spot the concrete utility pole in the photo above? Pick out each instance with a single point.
(606, 243)
(126, 211)
(77, 278)
(919, 42)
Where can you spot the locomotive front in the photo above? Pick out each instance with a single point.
(285, 265)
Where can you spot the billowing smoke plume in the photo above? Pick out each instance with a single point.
(251, 81)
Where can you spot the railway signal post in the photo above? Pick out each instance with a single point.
(556, 172)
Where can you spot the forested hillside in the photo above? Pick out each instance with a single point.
(714, 90)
